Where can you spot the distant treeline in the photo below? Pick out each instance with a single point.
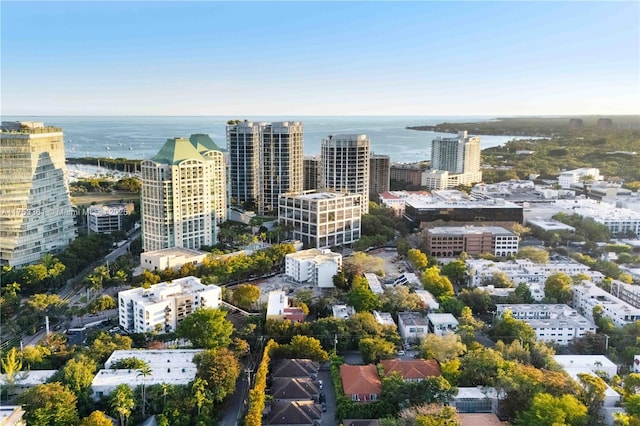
(120, 164)
(538, 126)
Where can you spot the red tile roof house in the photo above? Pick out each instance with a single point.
(411, 370)
(361, 383)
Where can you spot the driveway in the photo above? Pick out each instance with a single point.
(328, 417)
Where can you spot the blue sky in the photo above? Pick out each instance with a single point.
(320, 58)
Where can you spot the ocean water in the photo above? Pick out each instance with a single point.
(142, 137)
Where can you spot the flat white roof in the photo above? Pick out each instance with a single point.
(31, 377)
(586, 362)
(476, 392)
(374, 283)
(156, 358)
(442, 319)
(277, 302)
(176, 252)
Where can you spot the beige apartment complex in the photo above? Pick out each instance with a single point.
(183, 195)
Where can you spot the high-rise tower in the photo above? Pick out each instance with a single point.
(456, 155)
(180, 195)
(36, 216)
(265, 161)
(344, 166)
(454, 162)
(379, 170)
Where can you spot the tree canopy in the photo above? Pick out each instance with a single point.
(206, 328)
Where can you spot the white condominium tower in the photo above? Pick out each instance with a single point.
(180, 195)
(36, 216)
(344, 166)
(456, 155)
(265, 161)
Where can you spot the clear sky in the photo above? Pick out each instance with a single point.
(320, 58)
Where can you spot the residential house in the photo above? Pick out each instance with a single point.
(294, 389)
(298, 413)
(441, 324)
(361, 383)
(412, 325)
(295, 368)
(411, 370)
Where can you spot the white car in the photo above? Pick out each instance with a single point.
(320, 384)
(400, 353)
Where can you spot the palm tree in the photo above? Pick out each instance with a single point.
(144, 371)
(122, 402)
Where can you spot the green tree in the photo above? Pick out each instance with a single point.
(436, 284)
(478, 300)
(144, 371)
(591, 394)
(456, 271)
(558, 288)
(399, 299)
(499, 280)
(200, 393)
(303, 347)
(50, 404)
(549, 410)
(441, 348)
(508, 329)
(77, 375)
(96, 418)
(122, 402)
(373, 349)
(359, 263)
(219, 369)
(245, 295)
(12, 369)
(104, 344)
(536, 255)
(417, 259)
(481, 367)
(361, 297)
(206, 328)
(131, 363)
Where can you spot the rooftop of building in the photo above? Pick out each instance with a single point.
(156, 358)
(27, 127)
(157, 292)
(550, 225)
(175, 252)
(343, 311)
(600, 296)
(442, 318)
(320, 195)
(412, 318)
(177, 150)
(360, 379)
(383, 318)
(315, 254)
(203, 143)
(108, 209)
(374, 283)
(469, 229)
(31, 377)
(278, 301)
(451, 197)
(598, 210)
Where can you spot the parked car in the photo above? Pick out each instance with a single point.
(324, 407)
(320, 384)
(401, 353)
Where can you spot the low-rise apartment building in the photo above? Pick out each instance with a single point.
(557, 323)
(316, 266)
(171, 258)
(171, 366)
(161, 307)
(105, 219)
(588, 295)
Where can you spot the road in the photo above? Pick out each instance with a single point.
(71, 292)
